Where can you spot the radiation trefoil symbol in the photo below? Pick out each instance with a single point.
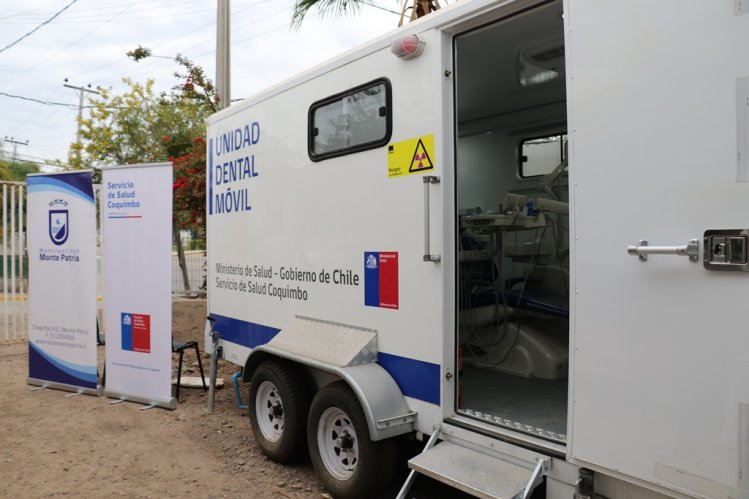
(421, 160)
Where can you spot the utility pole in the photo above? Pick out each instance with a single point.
(15, 143)
(81, 90)
(223, 54)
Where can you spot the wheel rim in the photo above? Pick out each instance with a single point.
(269, 411)
(336, 439)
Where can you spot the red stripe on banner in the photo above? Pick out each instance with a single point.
(389, 279)
(141, 333)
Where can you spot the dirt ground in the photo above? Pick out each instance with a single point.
(54, 444)
(57, 445)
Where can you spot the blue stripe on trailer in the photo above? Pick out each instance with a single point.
(416, 378)
(248, 334)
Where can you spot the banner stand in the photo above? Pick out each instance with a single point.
(42, 383)
(148, 402)
(62, 303)
(136, 214)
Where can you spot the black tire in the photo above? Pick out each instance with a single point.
(349, 466)
(278, 405)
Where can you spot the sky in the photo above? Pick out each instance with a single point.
(87, 41)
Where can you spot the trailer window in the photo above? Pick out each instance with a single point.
(351, 121)
(541, 155)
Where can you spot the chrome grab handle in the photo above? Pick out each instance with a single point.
(642, 250)
(428, 179)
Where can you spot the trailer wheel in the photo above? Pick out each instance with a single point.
(348, 463)
(279, 402)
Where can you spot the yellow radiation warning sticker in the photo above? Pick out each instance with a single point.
(411, 156)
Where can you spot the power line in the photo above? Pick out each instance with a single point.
(46, 162)
(29, 116)
(148, 67)
(82, 13)
(81, 91)
(37, 28)
(59, 107)
(16, 143)
(25, 157)
(46, 103)
(133, 15)
(80, 18)
(21, 13)
(68, 45)
(380, 7)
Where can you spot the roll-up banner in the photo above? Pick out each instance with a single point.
(137, 221)
(61, 232)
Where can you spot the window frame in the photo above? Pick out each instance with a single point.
(340, 96)
(520, 163)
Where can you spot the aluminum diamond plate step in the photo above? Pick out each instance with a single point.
(472, 472)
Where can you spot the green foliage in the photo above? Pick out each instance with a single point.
(197, 87)
(189, 186)
(326, 8)
(138, 126)
(4, 170)
(139, 54)
(194, 86)
(141, 126)
(193, 90)
(197, 244)
(18, 171)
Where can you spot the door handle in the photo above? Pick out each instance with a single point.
(642, 250)
(428, 256)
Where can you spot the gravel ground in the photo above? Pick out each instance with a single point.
(53, 444)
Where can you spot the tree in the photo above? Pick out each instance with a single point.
(419, 8)
(136, 126)
(190, 195)
(326, 8)
(5, 170)
(141, 126)
(19, 170)
(15, 171)
(188, 159)
(4, 163)
(189, 184)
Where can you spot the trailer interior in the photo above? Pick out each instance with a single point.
(513, 224)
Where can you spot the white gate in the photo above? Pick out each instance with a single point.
(13, 325)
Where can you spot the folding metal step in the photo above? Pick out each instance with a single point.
(476, 473)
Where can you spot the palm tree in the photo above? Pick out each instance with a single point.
(418, 8)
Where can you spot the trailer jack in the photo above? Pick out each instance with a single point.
(585, 484)
(215, 353)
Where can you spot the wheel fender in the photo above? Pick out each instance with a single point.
(381, 399)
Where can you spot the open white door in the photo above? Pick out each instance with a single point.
(660, 348)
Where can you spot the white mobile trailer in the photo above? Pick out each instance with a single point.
(448, 244)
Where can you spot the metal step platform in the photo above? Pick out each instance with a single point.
(452, 462)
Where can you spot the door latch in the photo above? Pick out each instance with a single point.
(726, 249)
